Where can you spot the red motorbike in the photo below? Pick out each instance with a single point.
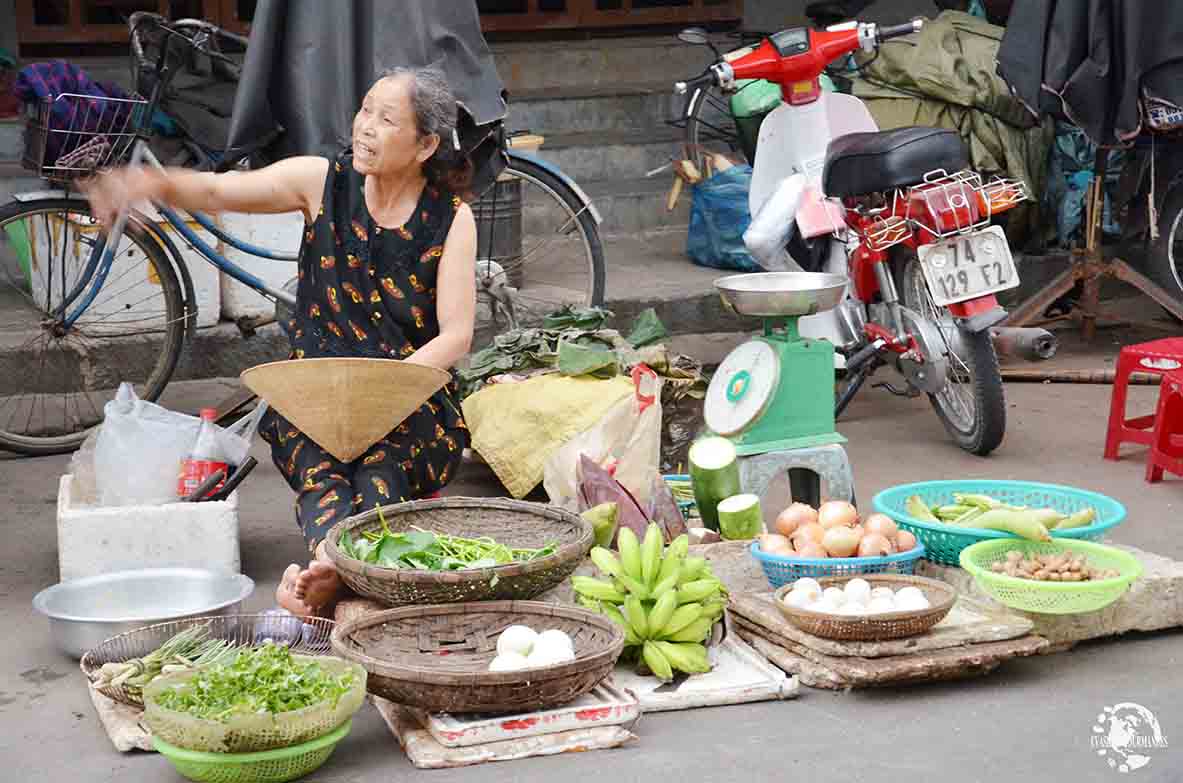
(899, 213)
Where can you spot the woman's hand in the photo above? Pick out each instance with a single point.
(117, 190)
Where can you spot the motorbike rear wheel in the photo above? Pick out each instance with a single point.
(972, 406)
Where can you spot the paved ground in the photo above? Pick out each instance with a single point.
(1030, 720)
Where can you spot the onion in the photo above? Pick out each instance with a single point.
(874, 545)
(811, 550)
(905, 541)
(794, 517)
(841, 542)
(881, 524)
(811, 533)
(774, 544)
(837, 513)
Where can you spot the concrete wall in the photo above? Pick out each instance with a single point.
(779, 14)
(8, 26)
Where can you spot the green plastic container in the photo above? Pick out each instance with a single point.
(267, 766)
(18, 240)
(750, 104)
(1031, 595)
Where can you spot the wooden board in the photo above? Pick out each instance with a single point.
(927, 666)
(969, 622)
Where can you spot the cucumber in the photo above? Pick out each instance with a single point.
(714, 472)
(740, 517)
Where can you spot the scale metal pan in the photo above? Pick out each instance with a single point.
(781, 294)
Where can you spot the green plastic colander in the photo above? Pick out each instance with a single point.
(267, 766)
(1031, 595)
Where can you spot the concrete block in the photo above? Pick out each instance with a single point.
(1153, 603)
(282, 233)
(98, 540)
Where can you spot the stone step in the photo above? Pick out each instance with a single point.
(595, 155)
(12, 140)
(602, 61)
(632, 206)
(645, 106)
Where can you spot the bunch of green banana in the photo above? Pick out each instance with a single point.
(986, 513)
(666, 602)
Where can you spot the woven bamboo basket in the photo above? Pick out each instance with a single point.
(875, 627)
(436, 658)
(511, 522)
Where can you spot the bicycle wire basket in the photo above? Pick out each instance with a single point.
(71, 135)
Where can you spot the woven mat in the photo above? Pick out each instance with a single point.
(426, 753)
(122, 723)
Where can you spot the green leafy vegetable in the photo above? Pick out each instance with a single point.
(427, 551)
(261, 680)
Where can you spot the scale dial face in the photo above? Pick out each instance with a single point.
(742, 388)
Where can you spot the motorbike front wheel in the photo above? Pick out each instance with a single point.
(972, 405)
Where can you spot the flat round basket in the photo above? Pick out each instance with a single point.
(306, 637)
(1030, 595)
(248, 733)
(875, 627)
(514, 523)
(943, 543)
(437, 657)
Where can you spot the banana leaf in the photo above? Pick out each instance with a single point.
(647, 329)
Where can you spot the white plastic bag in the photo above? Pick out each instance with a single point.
(773, 226)
(140, 447)
(138, 454)
(629, 433)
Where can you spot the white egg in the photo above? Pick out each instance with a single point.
(553, 648)
(857, 588)
(800, 599)
(852, 609)
(555, 636)
(834, 595)
(882, 592)
(508, 662)
(881, 605)
(516, 638)
(911, 603)
(904, 592)
(811, 590)
(825, 606)
(808, 583)
(541, 656)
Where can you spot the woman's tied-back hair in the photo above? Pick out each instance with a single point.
(436, 112)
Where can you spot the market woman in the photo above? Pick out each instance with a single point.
(386, 270)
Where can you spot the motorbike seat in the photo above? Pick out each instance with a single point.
(862, 163)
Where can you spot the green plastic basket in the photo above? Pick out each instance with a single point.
(1051, 597)
(943, 543)
(267, 766)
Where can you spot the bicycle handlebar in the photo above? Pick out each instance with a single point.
(141, 19)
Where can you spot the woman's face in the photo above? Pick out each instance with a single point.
(385, 139)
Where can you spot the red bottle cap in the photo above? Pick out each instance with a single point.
(209, 414)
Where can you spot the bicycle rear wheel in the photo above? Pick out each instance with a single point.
(535, 234)
(55, 380)
(710, 127)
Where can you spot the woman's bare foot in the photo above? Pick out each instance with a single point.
(285, 594)
(319, 586)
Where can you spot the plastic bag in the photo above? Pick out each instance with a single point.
(719, 217)
(629, 435)
(140, 446)
(768, 235)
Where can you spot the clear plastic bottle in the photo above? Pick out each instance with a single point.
(205, 460)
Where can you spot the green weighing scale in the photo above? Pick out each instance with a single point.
(776, 391)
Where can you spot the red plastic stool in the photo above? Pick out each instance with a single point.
(1165, 451)
(1159, 357)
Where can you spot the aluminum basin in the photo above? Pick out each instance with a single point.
(772, 294)
(83, 613)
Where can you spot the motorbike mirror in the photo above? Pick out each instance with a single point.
(696, 36)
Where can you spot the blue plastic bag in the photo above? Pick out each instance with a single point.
(719, 217)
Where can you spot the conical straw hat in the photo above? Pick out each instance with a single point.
(345, 405)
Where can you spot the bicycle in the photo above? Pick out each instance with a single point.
(82, 313)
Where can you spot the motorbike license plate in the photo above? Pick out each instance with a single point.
(968, 266)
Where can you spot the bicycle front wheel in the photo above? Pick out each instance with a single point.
(710, 127)
(537, 235)
(55, 379)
